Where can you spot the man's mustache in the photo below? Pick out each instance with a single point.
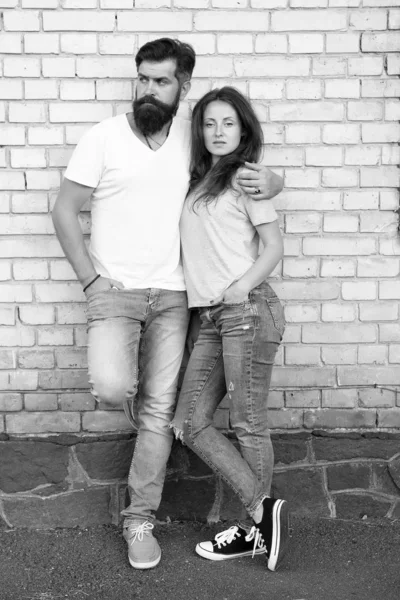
(153, 101)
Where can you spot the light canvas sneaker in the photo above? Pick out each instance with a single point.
(143, 549)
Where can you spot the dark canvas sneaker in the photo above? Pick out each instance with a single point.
(274, 529)
(235, 542)
(143, 549)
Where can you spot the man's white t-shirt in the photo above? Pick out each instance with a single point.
(137, 202)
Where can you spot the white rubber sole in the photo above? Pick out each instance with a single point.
(218, 557)
(144, 565)
(280, 534)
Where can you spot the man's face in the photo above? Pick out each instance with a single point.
(158, 93)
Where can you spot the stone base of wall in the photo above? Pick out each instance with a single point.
(72, 481)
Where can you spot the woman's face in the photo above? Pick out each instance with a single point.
(221, 129)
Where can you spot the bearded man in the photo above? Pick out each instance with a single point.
(134, 168)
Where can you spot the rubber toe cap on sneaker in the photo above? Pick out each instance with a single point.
(206, 546)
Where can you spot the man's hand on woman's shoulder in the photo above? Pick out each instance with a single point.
(259, 182)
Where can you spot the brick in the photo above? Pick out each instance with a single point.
(34, 247)
(71, 359)
(302, 178)
(378, 267)
(29, 203)
(394, 19)
(379, 177)
(303, 399)
(28, 158)
(339, 418)
(303, 223)
(389, 290)
(332, 334)
(359, 290)
(41, 43)
(301, 313)
(302, 133)
(113, 90)
(10, 402)
(382, 311)
(364, 111)
(339, 355)
(341, 134)
(340, 223)
(11, 43)
(61, 270)
(144, 21)
(367, 65)
(26, 112)
(12, 180)
(5, 271)
(367, 155)
(389, 332)
(210, 66)
(306, 290)
(345, 43)
(338, 312)
(368, 375)
(226, 21)
(271, 66)
(117, 44)
(308, 200)
(390, 155)
(322, 156)
(75, 43)
(25, 224)
(339, 398)
(342, 88)
(203, 43)
(81, 337)
(329, 66)
(379, 221)
(59, 292)
(389, 199)
(7, 359)
(79, 4)
(40, 3)
(19, 20)
(340, 177)
(7, 315)
(36, 315)
(58, 67)
(338, 246)
(73, 402)
(266, 90)
(87, 112)
(18, 380)
(380, 42)
(380, 132)
(105, 421)
(35, 359)
(26, 270)
(302, 356)
(67, 20)
(40, 90)
(21, 66)
(392, 110)
(15, 293)
(39, 402)
(103, 67)
(312, 111)
(11, 90)
(371, 398)
(299, 377)
(45, 136)
(302, 43)
(71, 314)
(125, 3)
(360, 200)
(394, 353)
(39, 422)
(303, 90)
(389, 418)
(241, 43)
(65, 379)
(308, 20)
(12, 135)
(376, 355)
(393, 64)
(368, 19)
(380, 88)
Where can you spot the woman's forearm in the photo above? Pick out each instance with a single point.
(263, 266)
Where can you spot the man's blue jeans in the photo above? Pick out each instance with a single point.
(234, 354)
(136, 344)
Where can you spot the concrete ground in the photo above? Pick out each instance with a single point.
(328, 560)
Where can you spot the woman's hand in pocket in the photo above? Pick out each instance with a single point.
(103, 284)
(236, 293)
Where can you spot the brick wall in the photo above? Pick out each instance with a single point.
(323, 75)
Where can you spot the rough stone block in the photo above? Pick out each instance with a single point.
(382, 480)
(348, 476)
(349, 506)
(82, 508)
(290, 448)
(352, 445)
(26, 465)
(303, 489)
(394, 470)
(189, 500)
(105, 460)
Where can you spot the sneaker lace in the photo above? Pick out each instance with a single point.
(138, 530)
(254, 534)
(226, 537)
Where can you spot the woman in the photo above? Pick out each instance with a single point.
(241, 322)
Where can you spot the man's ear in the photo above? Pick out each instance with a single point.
(185, 90)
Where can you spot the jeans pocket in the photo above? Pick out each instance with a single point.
(276, 310)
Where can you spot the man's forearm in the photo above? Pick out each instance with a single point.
(71, 238)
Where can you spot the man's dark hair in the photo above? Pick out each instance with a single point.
(165, 49)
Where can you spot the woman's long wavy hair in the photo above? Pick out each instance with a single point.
(216, 179)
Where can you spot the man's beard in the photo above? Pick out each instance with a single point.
(151, 114)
